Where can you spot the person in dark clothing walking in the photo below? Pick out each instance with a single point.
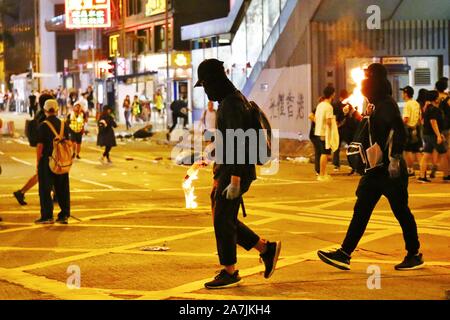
(179, 109)
(106, 137)
(390, 178)
(49, 181)
(338, 111)
(33, 104)
(231, 180)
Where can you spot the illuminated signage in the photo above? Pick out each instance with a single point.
(181, 59)
(88, 14)
(153, 7)
(113, 45)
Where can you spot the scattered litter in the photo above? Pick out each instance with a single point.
(155, 248)
(158, 158)
(129, 158)
(298, 160)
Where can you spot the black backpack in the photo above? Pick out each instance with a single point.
(31, 131)
(261, 124)
(445, 109)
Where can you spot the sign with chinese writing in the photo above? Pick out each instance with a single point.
(88, 14)
(285, 96)
(153, 7)
(113, 45)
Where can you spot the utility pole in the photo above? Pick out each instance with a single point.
(169, 92)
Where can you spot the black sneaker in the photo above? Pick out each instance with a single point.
(447, 178)
(411, 262)
(337, 258)
(44, 221)
(78, 157)
(62, 221)
(424, 180)
(224, 280)
(270, 257)
(20, 197)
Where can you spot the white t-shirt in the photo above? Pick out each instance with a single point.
(210, 120)
(324, 112)
(412, 112)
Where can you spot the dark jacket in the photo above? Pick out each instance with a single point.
(386, 117)
(106, 136)
(233, 114)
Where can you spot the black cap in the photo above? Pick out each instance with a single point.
(408, 90)
(208, 69)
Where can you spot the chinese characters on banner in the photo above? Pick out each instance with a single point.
(285, 99)
(88, 14)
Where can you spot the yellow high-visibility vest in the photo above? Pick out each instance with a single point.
(76, 122)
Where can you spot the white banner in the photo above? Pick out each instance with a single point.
(285, 96)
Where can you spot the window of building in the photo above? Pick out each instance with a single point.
(160, 37)
(134, 7)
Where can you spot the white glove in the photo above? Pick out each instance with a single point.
(394, 168)
(232, 191)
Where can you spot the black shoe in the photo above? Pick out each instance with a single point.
(62, 221)
(433, 172)
(270, 258)
(44, 221)
(224, 280)
(78, 157)
(20, 197)
(1, 219)
(424, 180)
(447, 178)
(411, 262)
(337, 258)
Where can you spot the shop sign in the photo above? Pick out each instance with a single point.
(153, 7)
(81, 14)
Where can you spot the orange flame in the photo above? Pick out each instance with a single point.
(357, 99)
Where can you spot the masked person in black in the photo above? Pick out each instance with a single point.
(390, 178)
(231, 180)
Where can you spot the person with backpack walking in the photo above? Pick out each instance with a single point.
(106, 137)
(54, 158)
(387, 175)
(232, 180)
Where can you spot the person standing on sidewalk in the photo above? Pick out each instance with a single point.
(389, 178)
(106, 137)
(48, 180)
(231, 181)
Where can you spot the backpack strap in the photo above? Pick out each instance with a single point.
(52, 128)
(61, 134)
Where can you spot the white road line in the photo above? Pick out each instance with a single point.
(2, 154)
(90, 161)
(22, 161)
(21, 142)
(98, 184)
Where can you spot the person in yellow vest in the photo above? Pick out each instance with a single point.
(76, 120)
(136, 109)
(158, 100)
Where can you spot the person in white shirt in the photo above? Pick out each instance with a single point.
(208, 119)
(411, 118)
(323, 119)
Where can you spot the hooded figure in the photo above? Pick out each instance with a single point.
(231, 179)
(389, 179)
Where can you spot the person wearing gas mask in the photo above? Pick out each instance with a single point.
(231, 180)
(389, 177)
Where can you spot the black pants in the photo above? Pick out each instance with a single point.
(175, 117)
(228, 229)
(107, 151)
(317, 147)
(32, 111)
(370, 189)
(49, 181)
